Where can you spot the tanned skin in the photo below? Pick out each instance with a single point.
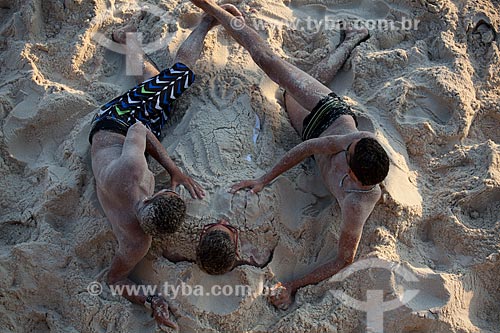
(124, 182)
(260, 258)
(303, 94)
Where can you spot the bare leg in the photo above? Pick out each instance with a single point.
(304, 88)
(190, 50)
(135, 53)
(325, 71)
(296, 113)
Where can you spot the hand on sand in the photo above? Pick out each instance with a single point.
(281, 296)
(192, 186)
(255, 186)
(161, 314)
(231, 9)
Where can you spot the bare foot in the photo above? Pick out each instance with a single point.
(359, 35)
(120, 35)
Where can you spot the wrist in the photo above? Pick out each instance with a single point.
(177, 173)
(292, 286)
(150, 301)
(263, 180)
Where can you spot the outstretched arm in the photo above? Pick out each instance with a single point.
(324, 145)
(303, 87)
(355, 211)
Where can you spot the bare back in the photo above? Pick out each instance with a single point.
(122, 180)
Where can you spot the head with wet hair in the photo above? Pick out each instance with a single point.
(369, 162)
(217, 249)
(163, 213)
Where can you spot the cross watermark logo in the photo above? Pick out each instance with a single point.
(133, 68)
(374, 306)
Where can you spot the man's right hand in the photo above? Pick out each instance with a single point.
(161, 314)
(189, 183)
(255, 185)
(231, 9)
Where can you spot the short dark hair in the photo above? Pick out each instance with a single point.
(369, 162)
(163, 214)
(216, 252)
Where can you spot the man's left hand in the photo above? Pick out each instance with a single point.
(192, 186)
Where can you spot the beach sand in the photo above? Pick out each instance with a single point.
(431, 95)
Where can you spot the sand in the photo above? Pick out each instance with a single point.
(430, 95)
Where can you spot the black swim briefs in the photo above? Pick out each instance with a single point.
(324, 114)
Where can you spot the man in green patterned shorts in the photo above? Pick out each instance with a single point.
(123, 130)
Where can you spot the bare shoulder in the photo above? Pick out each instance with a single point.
(111, 170)
(362, 201)
(342, 139)
(359, 135)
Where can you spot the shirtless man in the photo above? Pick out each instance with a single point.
(351, 162)
(122, 132)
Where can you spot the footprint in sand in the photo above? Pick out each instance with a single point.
(480, 210)
(223, 88)
(484, 31)
(6, 11)
(480, 36)
(12, 23)
(16, 232)
(423, 104)
(487, 125)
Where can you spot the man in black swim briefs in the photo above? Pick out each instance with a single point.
(122, 132)
(352, 163)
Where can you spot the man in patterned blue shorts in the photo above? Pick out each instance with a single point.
(122, 132)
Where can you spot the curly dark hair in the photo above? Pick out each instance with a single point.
(369, 162)
(163, 214)
(216, 253)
